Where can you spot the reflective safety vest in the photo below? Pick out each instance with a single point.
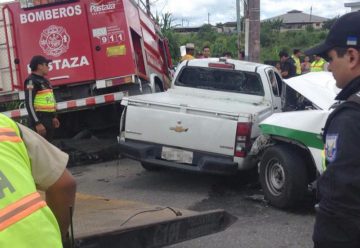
(25, 219)
(45, 101)
(297, 64)
(317, 66)
(187, 57)
(323, 159)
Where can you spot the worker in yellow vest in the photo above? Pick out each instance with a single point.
(318, 64)
(29, 163)
(39, 98)
(190, 50)
(296, 57)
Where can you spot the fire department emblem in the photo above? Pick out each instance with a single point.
(54, 40)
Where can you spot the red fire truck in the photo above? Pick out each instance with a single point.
(101, 51)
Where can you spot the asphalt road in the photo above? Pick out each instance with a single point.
(259, 225)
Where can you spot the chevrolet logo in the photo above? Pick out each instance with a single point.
(178, 128)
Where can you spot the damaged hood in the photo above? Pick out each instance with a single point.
(317, 87)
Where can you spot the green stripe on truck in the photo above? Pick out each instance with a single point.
(309, 139)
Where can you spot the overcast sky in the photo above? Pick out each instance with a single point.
(195, 12)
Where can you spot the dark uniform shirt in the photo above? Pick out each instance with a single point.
(339, 186)
(289, 66)
(33, 84)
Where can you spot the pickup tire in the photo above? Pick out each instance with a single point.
(150, 167)
(283, 176)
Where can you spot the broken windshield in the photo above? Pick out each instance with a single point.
(221, 80)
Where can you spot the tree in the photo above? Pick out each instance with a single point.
(329, 23)
(166, 22)
(167, 29)
(207, 33)
(273, 25)
(272, 40)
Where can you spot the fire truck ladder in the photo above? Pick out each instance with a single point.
(8, 73)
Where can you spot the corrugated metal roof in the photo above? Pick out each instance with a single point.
(297, 16)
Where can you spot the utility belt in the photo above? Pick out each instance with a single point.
(45, 115)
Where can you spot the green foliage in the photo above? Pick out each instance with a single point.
(207, 33)
(208, 36)
(328, 24)
(10, 105)
(309, 28)
(272, 25)
(271, 39)
(167, 29)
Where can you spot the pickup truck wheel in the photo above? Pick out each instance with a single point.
(150, 167)
(283, 176)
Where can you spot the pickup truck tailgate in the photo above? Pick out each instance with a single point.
(178, 126)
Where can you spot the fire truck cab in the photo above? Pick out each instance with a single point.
(101, 50)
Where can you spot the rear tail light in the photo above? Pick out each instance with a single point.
(222, 65)
(242, 141)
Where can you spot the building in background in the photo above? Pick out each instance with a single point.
(355, 6)
(297, 20)
(292, 20)
(227, 27)
(187, 30)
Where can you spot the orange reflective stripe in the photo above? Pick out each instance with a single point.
(6, 129)
(45, 109)
(20, 209)
(42, 92)
(10, 138)
(8, 134)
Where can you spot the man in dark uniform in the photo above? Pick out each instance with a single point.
(39, 98)
(288, 68)
(338, 189)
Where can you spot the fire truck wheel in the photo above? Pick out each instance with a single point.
(150, 167)
(283, 176)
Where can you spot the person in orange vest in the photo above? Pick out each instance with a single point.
(318, 64)
(29, 163)
(39, 98)
(190, 49)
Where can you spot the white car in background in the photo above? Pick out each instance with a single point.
(290, 147)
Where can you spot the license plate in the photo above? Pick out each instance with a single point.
(177, 155)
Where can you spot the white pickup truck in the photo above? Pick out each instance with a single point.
(208, 119)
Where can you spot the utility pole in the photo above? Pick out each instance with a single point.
(208, 18)
(148, 6)
(238, 18)
(253, 13)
